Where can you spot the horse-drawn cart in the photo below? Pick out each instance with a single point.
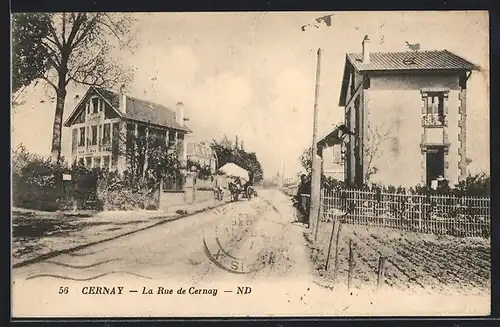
(239, 185)
(237, 192)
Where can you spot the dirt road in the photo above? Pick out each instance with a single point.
(246, 258)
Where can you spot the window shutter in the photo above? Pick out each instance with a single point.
(74, 144)
(445, 103)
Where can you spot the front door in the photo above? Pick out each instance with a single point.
(435, 163)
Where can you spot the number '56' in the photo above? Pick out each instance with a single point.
(63, 290)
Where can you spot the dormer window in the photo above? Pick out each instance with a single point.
(95, 105)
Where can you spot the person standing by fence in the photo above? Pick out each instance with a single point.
(304, 188)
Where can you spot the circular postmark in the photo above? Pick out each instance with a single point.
(235, 247)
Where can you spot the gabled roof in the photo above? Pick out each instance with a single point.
(442, 60)
(420, 60)
(137, 109)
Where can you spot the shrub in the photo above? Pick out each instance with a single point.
(475, 185)
(37, 184)
(36, 181)
(126, 192)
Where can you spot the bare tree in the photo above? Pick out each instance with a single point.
(79, 48)
(148, 155)
(374, 138)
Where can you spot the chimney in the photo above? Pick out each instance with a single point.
(179, 113)
(123, 99)
(366, 50)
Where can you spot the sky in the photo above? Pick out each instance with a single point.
(252, 74)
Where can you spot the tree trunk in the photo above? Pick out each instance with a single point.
(57, 126)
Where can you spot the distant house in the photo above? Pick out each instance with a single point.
(408, 113)
(201, 153)
(102, 115)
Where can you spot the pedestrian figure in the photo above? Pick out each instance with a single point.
(304, 188)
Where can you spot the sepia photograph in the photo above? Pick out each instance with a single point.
(250, 164)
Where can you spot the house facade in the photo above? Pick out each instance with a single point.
(201, 153)
(103, 121)
(407, 111)
(333, 165)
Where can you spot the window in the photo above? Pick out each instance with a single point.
(95, 105)
(97, 162)
(82, 137)
(434, 103)
(171, 138)
(88, 161)
(130, 136)
(93, 139)
(106, 137)
(337, 154)
(106, 162)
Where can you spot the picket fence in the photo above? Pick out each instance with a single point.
(436, 214)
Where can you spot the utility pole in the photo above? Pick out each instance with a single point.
(316, 161)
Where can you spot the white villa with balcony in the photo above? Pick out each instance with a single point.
(408, 112)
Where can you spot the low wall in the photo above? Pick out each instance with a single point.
(171, 199)
(176, 199)
(204, 195)
(204, 184)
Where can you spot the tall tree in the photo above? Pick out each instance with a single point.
(29, 55)
(79, 50)
(226, 152)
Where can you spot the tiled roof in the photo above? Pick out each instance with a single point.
(142, 110)
(421, 60)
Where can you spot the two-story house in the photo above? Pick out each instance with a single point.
(408, 112)
(103, 120)
(201, 153)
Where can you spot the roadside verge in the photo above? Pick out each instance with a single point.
(73, 233)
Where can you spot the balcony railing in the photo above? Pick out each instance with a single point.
(92, 148)
(81, 149)
(433, 120)
(106, 147)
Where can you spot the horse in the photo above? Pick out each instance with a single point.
(234, 190)
(250, 192)
(219, 193)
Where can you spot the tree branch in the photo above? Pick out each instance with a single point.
(53, 33)
(75, 28)
(64, 29)
(86, 30)
(50, 82)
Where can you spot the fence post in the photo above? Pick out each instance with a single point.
(420, 214)
(337, 237)
(334, 227)
(351, 266)
(381, 272)
(160, 191)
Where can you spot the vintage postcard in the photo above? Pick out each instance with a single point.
(241, 164)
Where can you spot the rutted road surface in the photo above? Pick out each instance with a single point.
(254, 231)
(250, 243)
